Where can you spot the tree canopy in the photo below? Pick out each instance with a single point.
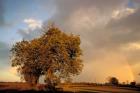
(54, 54)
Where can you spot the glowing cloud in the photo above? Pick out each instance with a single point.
(117, 14)
(131, 46)
(32, 23)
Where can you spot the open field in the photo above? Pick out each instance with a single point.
(99, 89)
(67, 88)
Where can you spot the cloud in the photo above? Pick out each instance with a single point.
(117, 14)
(33, 29)
(88, 19)
(124, 30)
(2, 21)
(33, 24)
(131, 46)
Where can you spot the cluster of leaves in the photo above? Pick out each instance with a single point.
(54, 54)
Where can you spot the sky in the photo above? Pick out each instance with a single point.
(109, 32)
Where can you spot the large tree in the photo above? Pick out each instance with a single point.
(54, 54)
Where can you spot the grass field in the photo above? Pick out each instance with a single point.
(99, 89)
(67, 88)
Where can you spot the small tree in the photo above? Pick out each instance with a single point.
(54, 54)
(25, 56)
(113, 81)
(133, 84)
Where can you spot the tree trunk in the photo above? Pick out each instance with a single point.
(35, 79)
(49, 79)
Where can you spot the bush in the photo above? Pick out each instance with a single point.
(133, 84)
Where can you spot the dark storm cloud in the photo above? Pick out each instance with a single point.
(91, 11)
(100, 33)
(2, 22)
(66, 8)
(125, 30)
(70, 5)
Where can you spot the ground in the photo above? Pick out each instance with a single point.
(67, 88)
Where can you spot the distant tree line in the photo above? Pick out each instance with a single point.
(115, 81)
